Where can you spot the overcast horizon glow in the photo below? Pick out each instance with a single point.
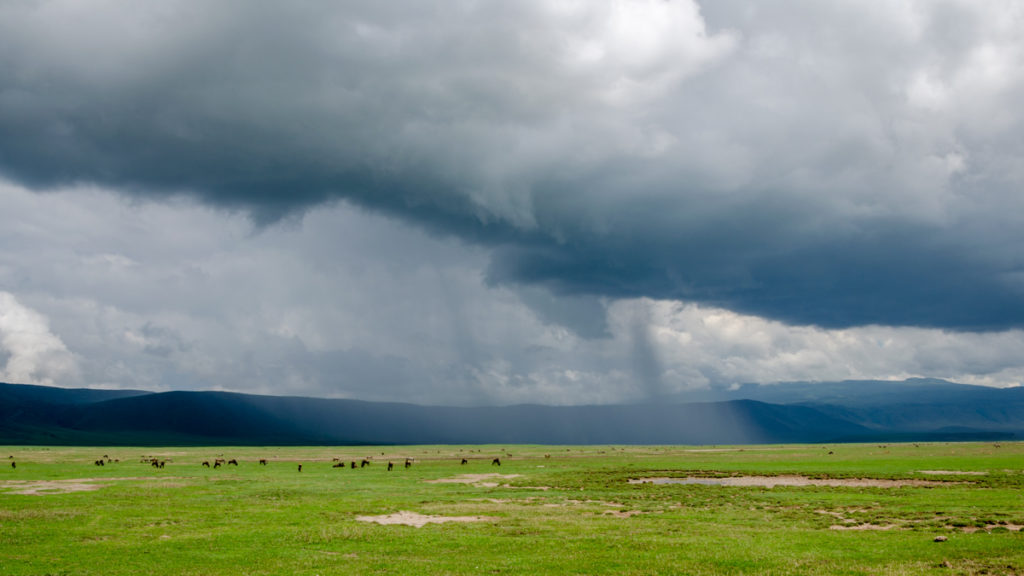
(473, 204)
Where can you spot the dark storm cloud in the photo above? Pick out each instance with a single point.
(849, 166)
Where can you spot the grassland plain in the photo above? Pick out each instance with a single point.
(545, 509)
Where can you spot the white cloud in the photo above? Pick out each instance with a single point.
(34, 354)
(700, 346)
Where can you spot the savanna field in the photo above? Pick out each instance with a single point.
(938, 508)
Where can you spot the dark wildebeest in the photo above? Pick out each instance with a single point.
(98, 463)
(233, 461)
(206, 464)
(338, 465)
(216, 463)
(14, 464)
(263, 461)
(496, 462)
(364, 463)
(353, 464)
(300, 467)
(390, 466)
(408, 462)
(464, 461)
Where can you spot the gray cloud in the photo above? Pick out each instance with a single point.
(559, 202)
(836, 165)
(175, 295)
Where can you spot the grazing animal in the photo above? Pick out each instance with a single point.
(14, 464)
(221, 460)
(364, 463)
(216, 463)
(300, 467)
(263, 461)
(98, 463)
(206, 464)
(496, 462)
(353, 464)
(338, 465)
(547, 455)
(464, 461)
(233, 461)
(408, 462)
(390, 466)
(830, 452)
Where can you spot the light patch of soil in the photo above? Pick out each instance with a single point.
(713, 450)
(44, 487)
(773, 481)
(863, 527)
(485, 481)
(47, 487)
(417, 520)
(622, 513)
(952, 472)
(478, 480)
(989, 528)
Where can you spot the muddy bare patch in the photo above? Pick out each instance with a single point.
(773, 481)
(862, 527)
(47, 487)
(485, 481)
(417, 520)
(44, 487)
(621, 513)
(481, 480)
(987, 528)
(952, 472)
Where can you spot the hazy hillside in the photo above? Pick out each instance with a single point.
(800, 412)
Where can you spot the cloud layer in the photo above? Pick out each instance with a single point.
(167, 296)
(487, 203)
(834, 165)
(31, 354)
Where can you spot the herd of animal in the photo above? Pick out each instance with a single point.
(218, 462)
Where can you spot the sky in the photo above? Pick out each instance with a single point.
(489, 203)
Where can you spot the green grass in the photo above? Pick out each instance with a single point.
(571, 510)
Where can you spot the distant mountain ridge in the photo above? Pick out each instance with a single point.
(750, 414)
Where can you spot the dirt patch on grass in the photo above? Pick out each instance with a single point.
(952, 472)
(47, 487)
(988, 528)
(621, 513)
(483, 480)
(417, 520)
(44, 487)
(773, 481)
(862, 527)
